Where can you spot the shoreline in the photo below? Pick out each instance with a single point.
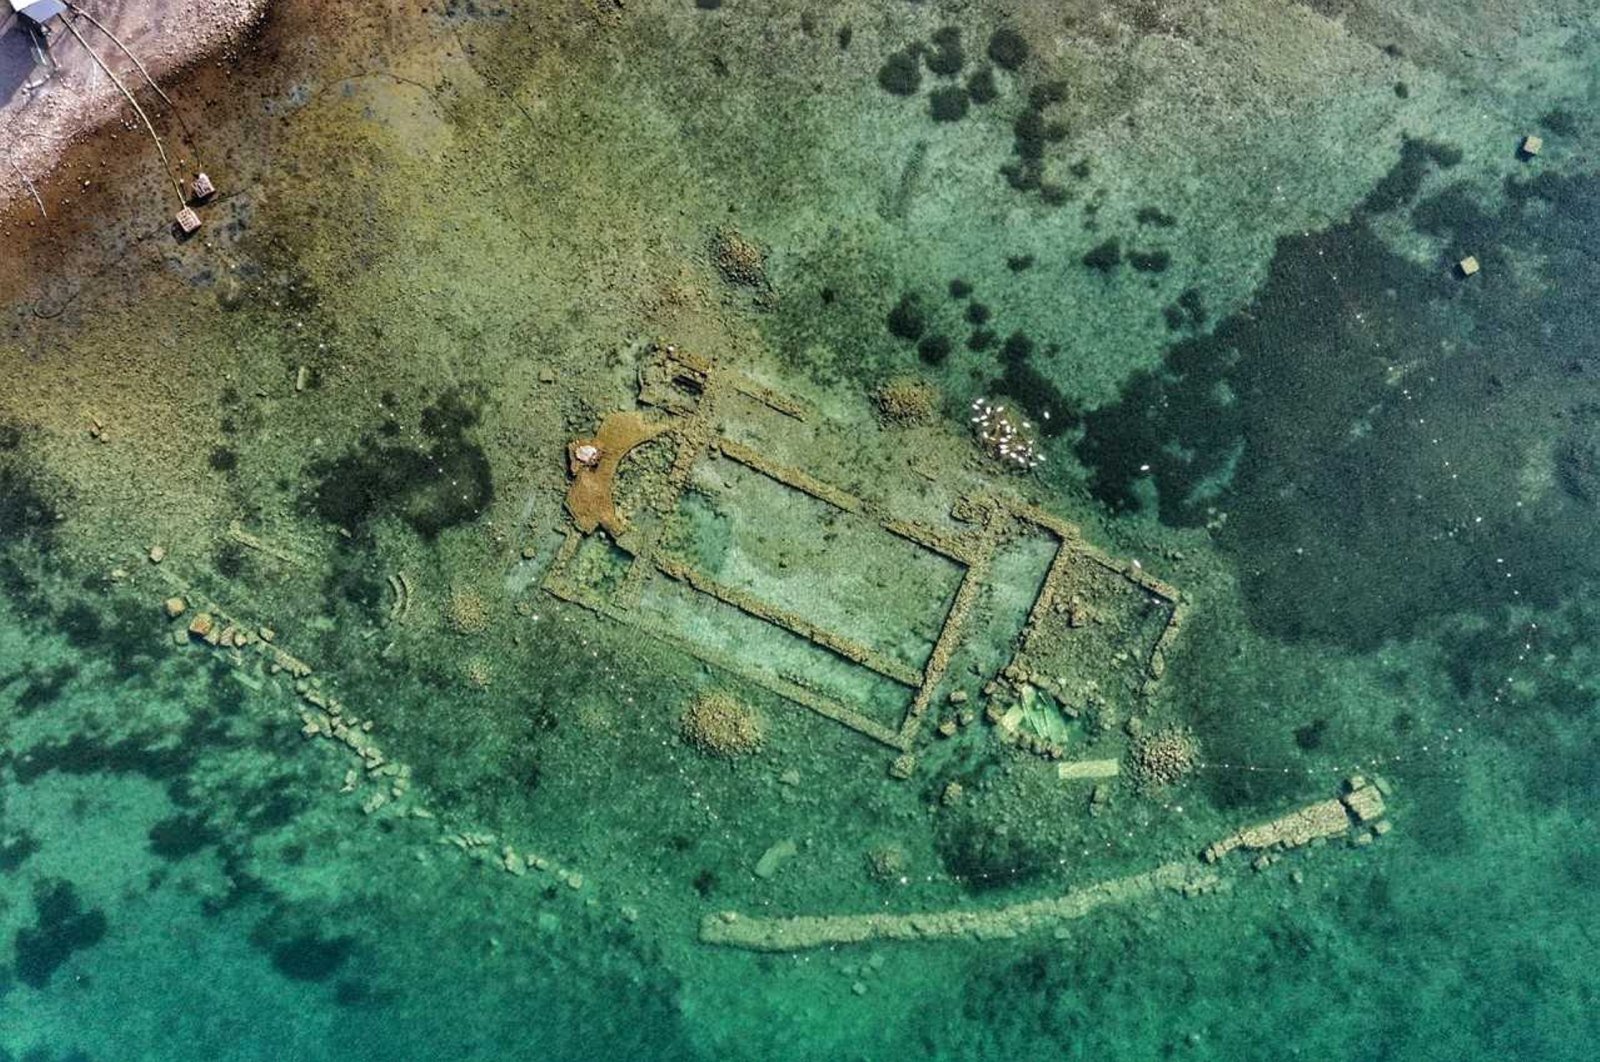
(44, 113)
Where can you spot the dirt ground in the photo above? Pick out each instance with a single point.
(53, 90)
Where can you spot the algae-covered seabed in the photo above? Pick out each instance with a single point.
(446, 237)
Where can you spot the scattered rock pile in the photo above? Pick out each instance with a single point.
(719, 725)
(1163, 758)
(466, 612)
(739, 260)
(906, 400)
(478, 673)
(888, 864)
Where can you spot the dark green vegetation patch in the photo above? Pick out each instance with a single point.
(948, 104)
(311, 958)
(1032, 132)
(946, 57)
(1189, 312)
(901, 73)
(981, 87)
(1103, 257)
(907, 320)
(16, 847)
(40, 689)
(62, 927)
(1008, 48)
(1402, 183)
(26, 513)
(292, 938)
(441, 482)
(118, 630)
(1559, 121)
(1051, 410)
(1360, 504)
(934, 349)
(1149, 261)
(180, 836)
(1578, 455)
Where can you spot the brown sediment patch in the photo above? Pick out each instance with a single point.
(52, 108)
(589, 498)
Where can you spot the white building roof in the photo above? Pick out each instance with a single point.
(39, 10)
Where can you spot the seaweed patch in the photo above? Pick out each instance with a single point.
(442, 482)
(62, 927)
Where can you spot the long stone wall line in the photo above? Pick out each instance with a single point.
(949, 640)
(783, 687)
(793, 478)
(382, 785)
(806, 932)
(1361, 806)
(695, 432)
(751, 605)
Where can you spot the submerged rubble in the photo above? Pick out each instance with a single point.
(742, 263)
(906, 400)
(1090, 608)
(719, 725)
(384, 785)
(1163, 758)
(466, 612)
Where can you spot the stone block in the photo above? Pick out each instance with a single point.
(1365, 803)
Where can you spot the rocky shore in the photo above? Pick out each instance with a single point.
(52, 91)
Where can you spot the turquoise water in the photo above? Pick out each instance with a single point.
(1209, 255)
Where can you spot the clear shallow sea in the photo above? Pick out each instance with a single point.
(1217, 245)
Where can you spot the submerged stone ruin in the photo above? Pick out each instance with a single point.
(875, 628)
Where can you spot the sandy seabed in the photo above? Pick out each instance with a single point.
(444, 239)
